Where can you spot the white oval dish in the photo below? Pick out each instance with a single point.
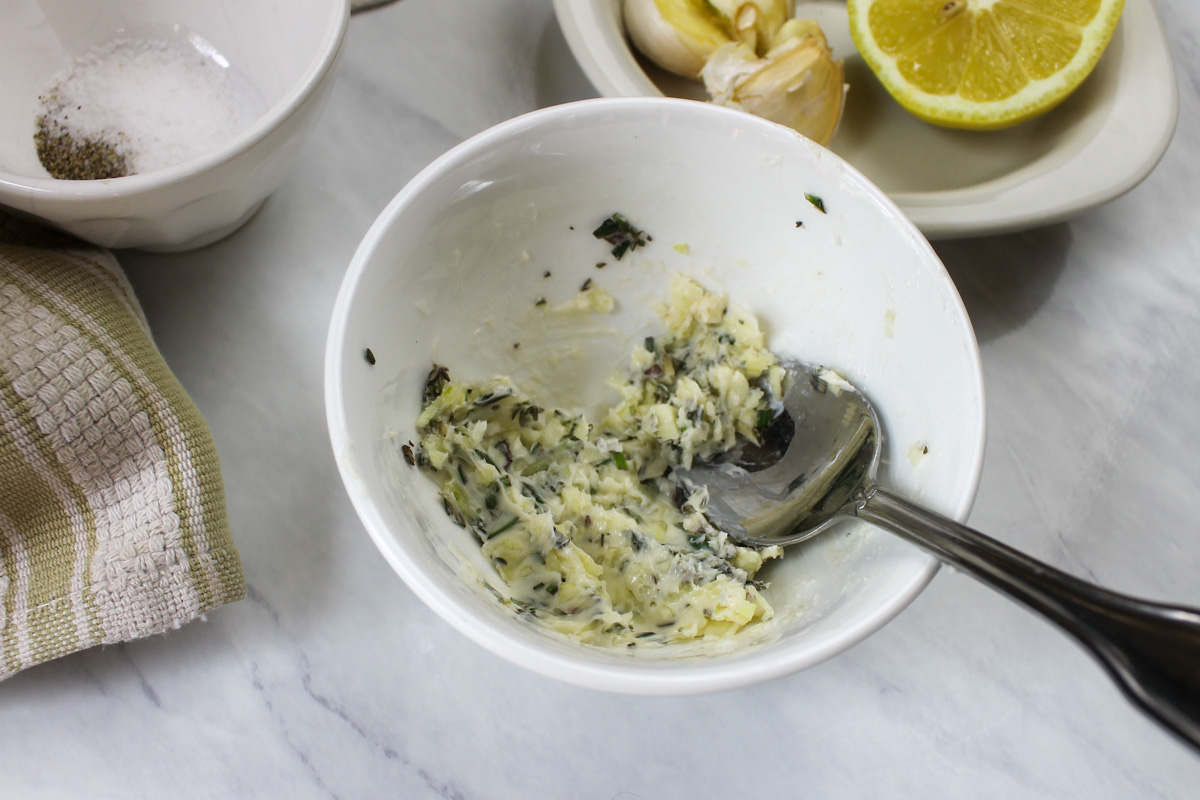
(1098, 144)
(452, 265)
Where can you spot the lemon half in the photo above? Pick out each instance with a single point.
(982, 64)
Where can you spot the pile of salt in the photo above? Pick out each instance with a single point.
(149, 103)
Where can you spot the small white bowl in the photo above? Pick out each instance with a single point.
(452, 266)
(282, 54)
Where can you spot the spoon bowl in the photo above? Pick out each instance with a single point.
(823, 444)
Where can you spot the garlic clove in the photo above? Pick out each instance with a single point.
(677, 35)
(796, 83)
(755, 23)
(680, 35)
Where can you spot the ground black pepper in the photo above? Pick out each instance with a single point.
(69, 158)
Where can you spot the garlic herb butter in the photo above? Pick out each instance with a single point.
(585, 522)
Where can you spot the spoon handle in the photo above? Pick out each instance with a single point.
(1152, 651)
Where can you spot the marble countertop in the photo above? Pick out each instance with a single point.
(331, 680)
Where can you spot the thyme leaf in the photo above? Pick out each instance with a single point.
(502, 528)
(617, 231)
(438, 376)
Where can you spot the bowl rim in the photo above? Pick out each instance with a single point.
(694, 676)
(31, 186)
(1116, 160)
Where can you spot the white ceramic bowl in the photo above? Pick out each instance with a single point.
(454, 263)
(281, 54)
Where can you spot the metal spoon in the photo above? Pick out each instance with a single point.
(817, 465)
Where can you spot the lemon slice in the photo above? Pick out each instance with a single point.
(981, 64)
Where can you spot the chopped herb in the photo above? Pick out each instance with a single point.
(529, 491)
(799, 223)
(541, 301)
(527, 413)
(547, 275)
(817, 202)
(601, 264)
(765, 418)
(487, 458)
(586, 285)
(649, 344)
(438, 376)
(502, 528)
(617, 231)
(491, 500)
(540, 465)
(407, 450)
(620, 460)
(369, 356)
(494, 395)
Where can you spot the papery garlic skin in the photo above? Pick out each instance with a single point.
(755, 23)
(797, 83)
(680, 35)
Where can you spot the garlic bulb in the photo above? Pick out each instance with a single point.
(680, 35)
(796, 83)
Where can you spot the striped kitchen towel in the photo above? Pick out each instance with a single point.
(112, 509)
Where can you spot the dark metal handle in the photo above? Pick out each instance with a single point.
(1151, 650)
